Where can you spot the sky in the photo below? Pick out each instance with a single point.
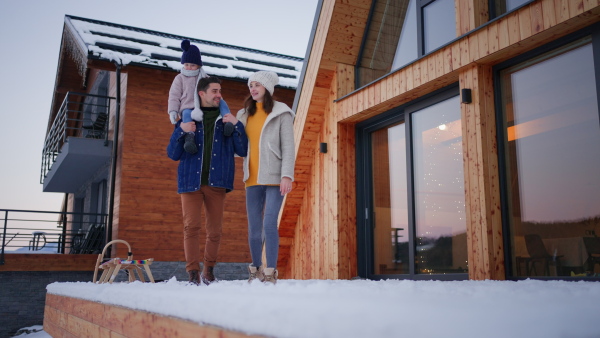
(30, 36)
(364, 308)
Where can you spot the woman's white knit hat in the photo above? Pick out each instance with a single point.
(266, 78)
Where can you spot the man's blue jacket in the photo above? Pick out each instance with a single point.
(222, 167)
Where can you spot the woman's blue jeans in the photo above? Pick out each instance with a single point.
(263, 203)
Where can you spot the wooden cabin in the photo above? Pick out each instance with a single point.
(119, 170)
(447, 139)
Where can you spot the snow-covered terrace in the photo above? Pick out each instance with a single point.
(131, 45)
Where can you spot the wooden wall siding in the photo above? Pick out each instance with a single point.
(470, 14)
(324, 245)
(482, 194)
(73, 317)
(346, 194)
(49, 262)
(345, 79)
(344, 36)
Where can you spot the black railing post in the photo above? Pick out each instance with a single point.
(4, 237)
(64, 229)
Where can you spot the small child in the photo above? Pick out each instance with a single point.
(183, 93)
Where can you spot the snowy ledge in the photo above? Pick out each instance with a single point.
(361, 308)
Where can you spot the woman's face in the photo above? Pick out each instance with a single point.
(257, 91)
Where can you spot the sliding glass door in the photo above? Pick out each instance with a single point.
(414, 224)
(551, 155)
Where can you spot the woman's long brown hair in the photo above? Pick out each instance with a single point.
(268, 103)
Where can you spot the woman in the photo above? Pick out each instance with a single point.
(268, 169)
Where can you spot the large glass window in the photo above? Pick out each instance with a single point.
(439, 24)
(551, 136)
(417, 226)
(439, 195)
(390, 200)
(408, 44)
(400, 31)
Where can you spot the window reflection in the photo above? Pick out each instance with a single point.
(408, 46)
(552, 133)
(388, 20)
(390, 200)
(441, 242)
(440, 24)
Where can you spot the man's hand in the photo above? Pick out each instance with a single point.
(188, 126)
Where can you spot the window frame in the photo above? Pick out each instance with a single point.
(492, 9)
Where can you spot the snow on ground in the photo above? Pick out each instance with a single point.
(35, 331)
(364, 308)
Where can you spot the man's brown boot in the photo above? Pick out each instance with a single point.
(208, 276)
(194, 276)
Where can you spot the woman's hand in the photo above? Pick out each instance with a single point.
(230, 118)
(285, 186)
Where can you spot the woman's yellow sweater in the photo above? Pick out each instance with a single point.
(254, 128)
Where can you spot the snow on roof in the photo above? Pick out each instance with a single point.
(131, 45)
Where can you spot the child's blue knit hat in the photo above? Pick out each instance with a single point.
(191, 53)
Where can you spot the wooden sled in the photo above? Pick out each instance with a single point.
(114, 265)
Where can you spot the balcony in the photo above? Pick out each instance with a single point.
(49, 232)
(77, 144)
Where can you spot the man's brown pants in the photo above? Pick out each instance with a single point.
(213, 200)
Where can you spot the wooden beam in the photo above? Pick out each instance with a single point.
(482, 193)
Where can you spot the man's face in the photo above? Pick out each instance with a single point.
(212, 96)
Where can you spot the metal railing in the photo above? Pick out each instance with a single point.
(29, 231)
(80, 115)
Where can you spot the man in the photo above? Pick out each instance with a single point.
(204, 177)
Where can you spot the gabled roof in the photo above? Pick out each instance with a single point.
(99, 40)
